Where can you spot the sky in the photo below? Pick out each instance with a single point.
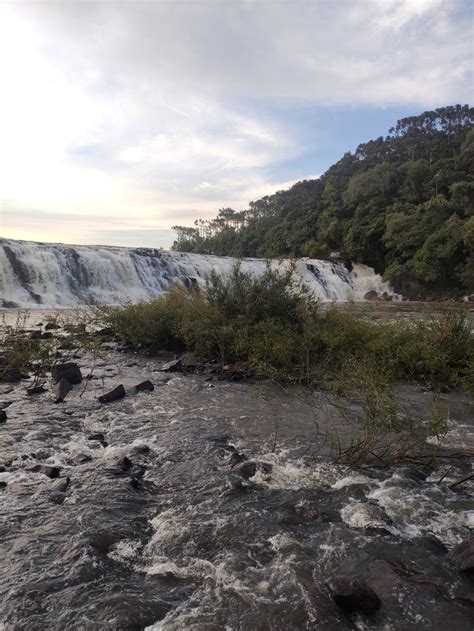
(120, 119)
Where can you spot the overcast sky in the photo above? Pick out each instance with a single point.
(121, 119)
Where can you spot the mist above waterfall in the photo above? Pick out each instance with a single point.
(57, 275)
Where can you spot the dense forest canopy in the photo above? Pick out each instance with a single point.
(403, 204)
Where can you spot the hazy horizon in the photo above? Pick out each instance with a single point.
(119, 120)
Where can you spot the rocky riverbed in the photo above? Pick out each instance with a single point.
(193, 503)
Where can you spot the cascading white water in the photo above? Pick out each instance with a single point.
(57, 275)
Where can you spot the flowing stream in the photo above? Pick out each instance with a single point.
(175, 538)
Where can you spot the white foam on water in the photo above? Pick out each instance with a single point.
(58, 275)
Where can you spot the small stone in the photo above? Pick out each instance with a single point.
(3, 416)
(114, 395)
(69, 371)
(352, 594)
(144, 386)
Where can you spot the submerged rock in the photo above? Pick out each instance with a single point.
(144, 386)
(352, 594)
(114, 395)
(69, 371)
(45, 469)
(367, 516)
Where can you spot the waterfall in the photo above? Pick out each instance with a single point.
(58, 275)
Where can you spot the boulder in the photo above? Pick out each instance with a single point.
(371, 295)
(352, 594)
(68, 370)
(462, 557)
(3, 416)
(61, 389)
(114, 395)
(46, 469)
(144, 386)
(175, 365)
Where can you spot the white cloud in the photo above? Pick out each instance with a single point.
(159, 110)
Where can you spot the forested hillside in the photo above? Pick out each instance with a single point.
(403, 204)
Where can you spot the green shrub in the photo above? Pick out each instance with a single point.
(274, 325)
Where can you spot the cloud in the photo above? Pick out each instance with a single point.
(152, 111)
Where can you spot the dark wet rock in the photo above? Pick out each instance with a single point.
(135, 483)
(61, 390)
(103, 541)
(144, 386)
(35, 335)
(125, 464)
(462, 557)
(47, 335)
(175, 365)
(247, 469)
(352, 594)
(114, 395)
(3, 484)
(57, 497)
(142, 449)
(237, 458)
(35, 390)
(3, 416)
(45, 469)
(96, 436)
(51, 326)
(138, 471)
(371, 295)
(69, 371)
(2, 469)
(61, 485)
